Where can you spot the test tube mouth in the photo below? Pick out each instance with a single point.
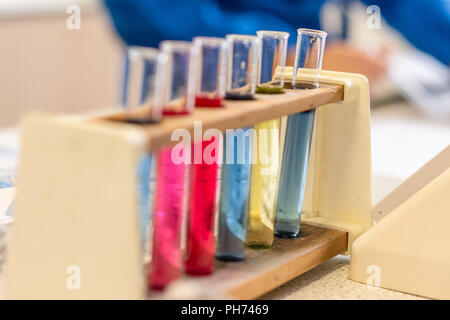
(242, 37)
(170, 45)
(312, 32)
(146, 52)
(278, 34)
(208, 40)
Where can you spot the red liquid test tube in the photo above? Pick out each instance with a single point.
(200, 246)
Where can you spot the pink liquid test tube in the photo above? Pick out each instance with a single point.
(166, 261)
(175, 95)
(200, 245)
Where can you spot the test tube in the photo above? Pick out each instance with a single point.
(263, 185)
(166, 262)
(175, 90)
(264, 170)
(212, 59)
(273, 47)
(297, 142)
(200, 243)
(234, 195)
(138, 100)
(176, 73)
(308, 55)
(140, 85)
(242, 66)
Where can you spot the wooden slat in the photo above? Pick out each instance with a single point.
(239, 114)
(263, 270)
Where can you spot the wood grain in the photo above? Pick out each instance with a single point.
(239, 114)
(262, 270)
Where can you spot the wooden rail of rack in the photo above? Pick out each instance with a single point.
(240, 114)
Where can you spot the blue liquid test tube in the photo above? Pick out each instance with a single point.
(234, 196)
(294, 167)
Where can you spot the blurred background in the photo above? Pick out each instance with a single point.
(49, 61)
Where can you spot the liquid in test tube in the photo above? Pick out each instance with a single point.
(174, 95)
(234, 195)
(265, 170)
(241, 83)
(294, 166)
(166, 262)
(200, 244)
(242, 66)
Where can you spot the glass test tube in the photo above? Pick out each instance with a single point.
(140, 85)
(166, 263)
(308, 55)
(294, 166)
(200, 244)
(212, 59)
(273, 48)
(175, 88)
(234, 195)
(176, 74)
(138, 101)
(242, 66)
(264, 171)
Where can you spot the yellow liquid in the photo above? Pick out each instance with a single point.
(263, 185)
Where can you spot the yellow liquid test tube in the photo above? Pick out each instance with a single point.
(263, 185)
(265, 153)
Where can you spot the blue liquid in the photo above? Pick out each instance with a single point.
(293, 173)
(144, 169)
(233, 198)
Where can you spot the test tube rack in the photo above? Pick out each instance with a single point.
(76, 233)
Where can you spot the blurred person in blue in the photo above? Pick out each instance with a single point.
(425, 23)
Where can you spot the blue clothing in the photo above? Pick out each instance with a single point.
(425, 23)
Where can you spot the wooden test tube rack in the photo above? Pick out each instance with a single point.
(89, 199)
(239, 113)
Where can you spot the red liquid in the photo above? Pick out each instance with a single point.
(200, 249)
(166, 264)
(201, 101)
(174, 113)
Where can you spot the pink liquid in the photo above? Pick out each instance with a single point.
(166, 264)
(200, 250)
